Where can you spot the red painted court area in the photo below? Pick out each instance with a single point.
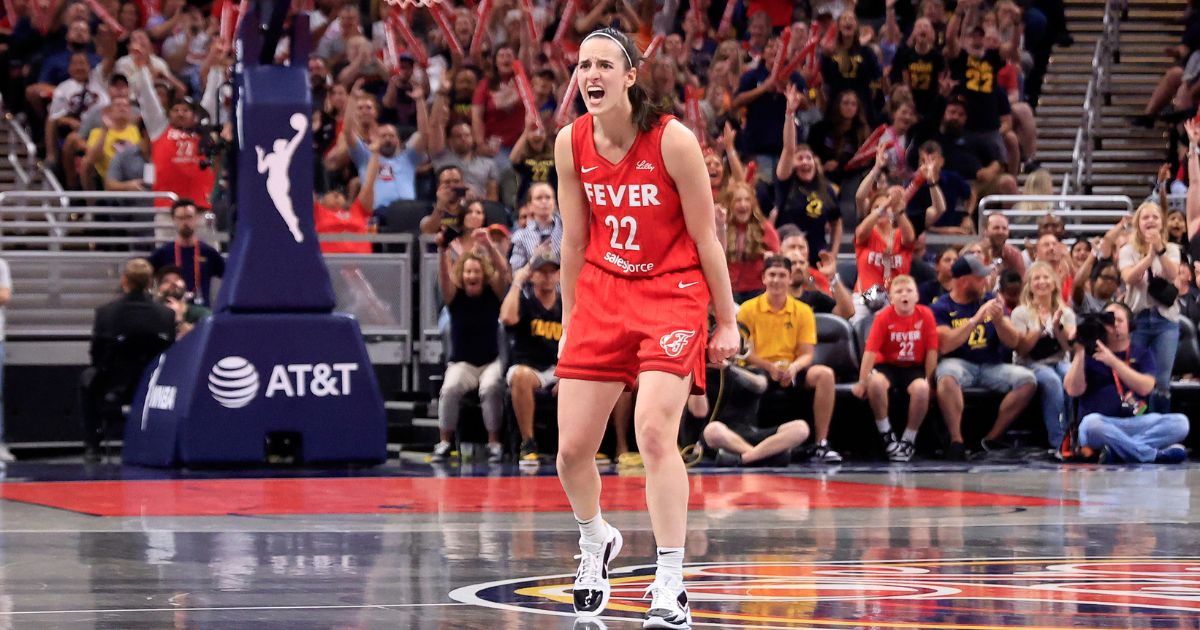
(384, 495)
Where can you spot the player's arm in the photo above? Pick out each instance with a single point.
(685, 164)
(574, 213)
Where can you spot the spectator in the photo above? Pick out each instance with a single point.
(118, 131)
(883, 242)
(731, 432)
(996, 248)
(974, 160)
(749, 238)
(497, 112)
(333, 43)
(1189, 296)
(850, 66)
(472, 291)
(128, 332)
(542, 230)
(141, 53)
(933, 289)
(172, 293)
(974, 67)
(535, 320)
(936, 205)
(70, 100)
(333, 214)
(174, 143)
(462, 239)
(976, 339)
(75, 143)
(361, 121)
(480, 173)
(1046, 326)
(919, 66)
(766, 108)
(819, 287)
(6, 456)
(899, 357)
(533, 160)
(837, 138)
(364, 71)
(127, 171)
(1148, 265)
(803, 197)
(1112, 383)
(1090, 292)
(719, 175)
(199, 260)
(1177, 229)
(1081, 250)
(396, 180)
(783, 332)
(448, 202)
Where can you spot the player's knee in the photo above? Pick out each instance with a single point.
(571, 454)
(655, 440)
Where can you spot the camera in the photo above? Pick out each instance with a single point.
(1091, 329)
(459, 191)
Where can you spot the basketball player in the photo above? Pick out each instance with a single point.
(640, 258)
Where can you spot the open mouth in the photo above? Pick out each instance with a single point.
(595, 94)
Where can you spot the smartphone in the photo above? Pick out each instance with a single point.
(460, 191)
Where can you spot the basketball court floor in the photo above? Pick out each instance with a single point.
(926, 545)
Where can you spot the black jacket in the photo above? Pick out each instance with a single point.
(128, 333)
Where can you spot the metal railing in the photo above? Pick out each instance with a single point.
(57, 220)
(19, 139)
(1078, 179)
(1082, 215)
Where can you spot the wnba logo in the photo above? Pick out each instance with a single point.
(233, 382)
(673, 343)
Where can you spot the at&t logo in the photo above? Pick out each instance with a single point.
(233, 382)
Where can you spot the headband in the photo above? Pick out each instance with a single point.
(614, 39)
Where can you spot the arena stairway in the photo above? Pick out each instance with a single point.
(1126, 157)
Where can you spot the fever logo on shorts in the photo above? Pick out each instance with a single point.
(673, 343)
(981, 594)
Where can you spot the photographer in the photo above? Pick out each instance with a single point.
(448, 205)
(1148, 265)
(172, 293)
(1112, 377)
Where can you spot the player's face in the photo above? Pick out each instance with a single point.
(904, 297)
(604, 75)
(777, 280)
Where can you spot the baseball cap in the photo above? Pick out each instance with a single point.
(496, 227)
(545, 260)
(968, 266)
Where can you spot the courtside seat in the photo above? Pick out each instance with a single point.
(1187, 358)
(837, 348)
(848, 270)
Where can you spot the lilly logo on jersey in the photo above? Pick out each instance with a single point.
(645, 166)
(674, 342)
(234, 382)
(633, 195)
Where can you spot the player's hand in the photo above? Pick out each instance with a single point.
(724, 342)
(859, 390)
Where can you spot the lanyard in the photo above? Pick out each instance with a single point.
(199, 298)
(1117, 379)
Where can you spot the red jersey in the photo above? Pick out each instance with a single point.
(902, 341)
(176, 158)
(337, 221)
(880, 260)
(636, 227)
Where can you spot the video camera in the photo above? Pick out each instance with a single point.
(1091, 329)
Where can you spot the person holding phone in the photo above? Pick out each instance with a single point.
(542, 233)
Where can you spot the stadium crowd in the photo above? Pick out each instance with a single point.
(828, 128)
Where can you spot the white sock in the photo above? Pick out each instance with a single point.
(670, 563)
(910, 436)
(593, 530)
(883, 425)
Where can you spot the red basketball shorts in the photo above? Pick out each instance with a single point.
(621, 327)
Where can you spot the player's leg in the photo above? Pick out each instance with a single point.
(656, 417)
(583, 410)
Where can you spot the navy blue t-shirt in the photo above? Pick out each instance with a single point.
(955, 190)
(1101, 394)
(474, 327)
(983, 346)
(212, 265)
